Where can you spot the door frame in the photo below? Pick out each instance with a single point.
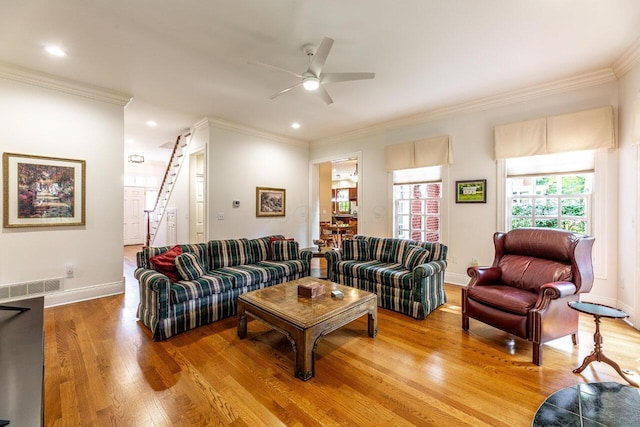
(192, 192)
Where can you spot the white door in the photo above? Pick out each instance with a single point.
(197, 198)
(134, 222)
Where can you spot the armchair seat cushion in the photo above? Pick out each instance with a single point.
(387, 274)
(505, 298)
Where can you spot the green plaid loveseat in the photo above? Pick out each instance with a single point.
(406, 275)
(211, 277)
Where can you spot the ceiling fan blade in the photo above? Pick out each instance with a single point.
(344, 77)
(320, 56)
(284, 91)
(273, 67)
(322, 93)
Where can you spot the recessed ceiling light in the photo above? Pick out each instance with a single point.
(55, 51)
(295, 125)
(151, 123)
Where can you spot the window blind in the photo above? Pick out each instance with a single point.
(422, 153)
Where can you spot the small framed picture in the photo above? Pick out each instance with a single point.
(471, 191)
(270, 201)
(42, 191)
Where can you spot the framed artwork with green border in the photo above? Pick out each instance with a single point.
(474, 191)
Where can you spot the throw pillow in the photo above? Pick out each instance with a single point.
(415, 256)
(189, 266)
(284, 250)
(355, 249)
(276, 239)
(165, 263)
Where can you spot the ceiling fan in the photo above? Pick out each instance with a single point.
(313, 78)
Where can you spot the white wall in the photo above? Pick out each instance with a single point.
(468, 228)
(238, 161)
(39, 121)
(629, 195)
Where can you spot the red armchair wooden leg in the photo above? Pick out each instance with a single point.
(537, 353)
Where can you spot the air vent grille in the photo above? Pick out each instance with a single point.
(33, 288)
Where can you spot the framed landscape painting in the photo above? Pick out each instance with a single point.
(471, 191)
(270, 201)
(42, 191)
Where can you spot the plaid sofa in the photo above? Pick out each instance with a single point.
(211, 277)
(407, 276)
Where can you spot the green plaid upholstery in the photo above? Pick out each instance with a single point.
(415, 293)
(189, 266)
(260, 247)
(227, 253)
(168, 308)
(284, 250)
(414, 256)
(355, 249)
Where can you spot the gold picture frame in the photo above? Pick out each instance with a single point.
(41, 191)
(270, 201)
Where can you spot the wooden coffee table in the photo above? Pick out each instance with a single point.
(305, 320)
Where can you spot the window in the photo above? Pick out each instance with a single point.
(551, 191)
(417, 196)
(551, 201)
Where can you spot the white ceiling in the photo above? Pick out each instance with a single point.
(184, 60)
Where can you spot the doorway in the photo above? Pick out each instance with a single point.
(197, 198)
(134, 224)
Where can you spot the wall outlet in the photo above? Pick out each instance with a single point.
(69, 270)
(474, 262)
(220, 216)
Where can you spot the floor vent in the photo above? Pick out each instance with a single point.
(28, 289)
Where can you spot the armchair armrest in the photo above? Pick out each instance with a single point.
(483, 275)
(552, 291)
(306, 255)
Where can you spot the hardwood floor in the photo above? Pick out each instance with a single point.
(102, 368)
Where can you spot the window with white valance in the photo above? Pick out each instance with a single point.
(417, 154)
(584, 130)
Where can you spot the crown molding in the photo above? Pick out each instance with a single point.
(227, 125)
(593, 78)
(47, 81)
(628, 60)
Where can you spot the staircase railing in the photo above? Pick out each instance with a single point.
(155, 215)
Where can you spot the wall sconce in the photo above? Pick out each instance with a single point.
(136, 158)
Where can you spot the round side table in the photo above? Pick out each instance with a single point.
(598, 311)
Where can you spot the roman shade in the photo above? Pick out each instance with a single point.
(417, 154)
(584, 130)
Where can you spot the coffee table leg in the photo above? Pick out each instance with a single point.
(242, 321)
(373, 322)
(305, 353)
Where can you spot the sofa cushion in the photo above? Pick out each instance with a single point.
(203, 286)
(261, 247)
(276, 239)
(165, 263)
(283, 269)
(228, 253)
(355, 249)
(387, 249)
(189, 267)
(284, 250)
(247, 275)
(387, 274)
(415, 256)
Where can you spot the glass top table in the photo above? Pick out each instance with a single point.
(598, 311)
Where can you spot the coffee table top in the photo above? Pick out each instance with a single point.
(283, 301)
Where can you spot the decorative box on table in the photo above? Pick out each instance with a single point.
(311, 289)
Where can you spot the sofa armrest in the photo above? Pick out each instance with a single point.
(154, 291)
(332, 257)
(429, 269)
(306, 255)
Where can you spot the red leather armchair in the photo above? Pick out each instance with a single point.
(534, 274)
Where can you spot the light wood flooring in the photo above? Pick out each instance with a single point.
(102, 368)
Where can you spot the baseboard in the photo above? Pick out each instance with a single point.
(456, 279)
(83, 294)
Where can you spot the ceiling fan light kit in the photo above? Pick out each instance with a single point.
(313, 78)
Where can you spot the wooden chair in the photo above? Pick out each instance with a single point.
(327, 236)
